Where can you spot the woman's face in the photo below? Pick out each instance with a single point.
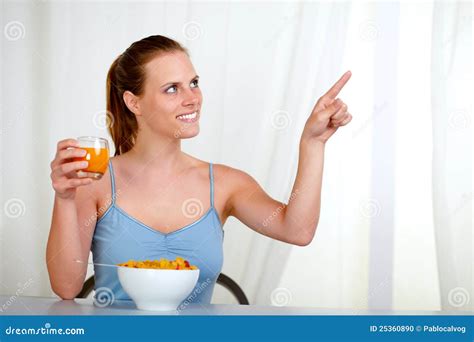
(171, 90)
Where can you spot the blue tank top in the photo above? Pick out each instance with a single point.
(118, 237)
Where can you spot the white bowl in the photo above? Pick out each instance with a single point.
(157, 289)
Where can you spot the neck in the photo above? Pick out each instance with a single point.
(156, 153)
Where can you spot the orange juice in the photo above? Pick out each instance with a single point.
(97, 158)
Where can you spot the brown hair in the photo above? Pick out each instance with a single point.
(127, 72)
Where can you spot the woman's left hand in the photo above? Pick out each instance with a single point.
(328, 114)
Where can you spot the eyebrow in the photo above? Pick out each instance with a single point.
(169, 83)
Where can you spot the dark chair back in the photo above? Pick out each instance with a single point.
(222, 280)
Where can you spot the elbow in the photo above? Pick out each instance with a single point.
(300, 241)
(303, 233)
(305, 237)
(62, 285)
(65, 294)
(303, 242)
(64, 289)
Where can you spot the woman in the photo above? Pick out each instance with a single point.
(142, 208)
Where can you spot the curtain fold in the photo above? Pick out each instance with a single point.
(452, 84)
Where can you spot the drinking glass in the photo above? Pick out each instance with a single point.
(97, 156)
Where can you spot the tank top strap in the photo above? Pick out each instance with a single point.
(211, 176)
(112, 180)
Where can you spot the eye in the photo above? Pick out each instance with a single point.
(172, 87)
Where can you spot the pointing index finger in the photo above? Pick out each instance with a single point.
(337, 87)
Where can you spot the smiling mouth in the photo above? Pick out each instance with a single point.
(191, 117)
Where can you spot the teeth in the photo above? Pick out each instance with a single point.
(188, 116)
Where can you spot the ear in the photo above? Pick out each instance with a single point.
(131, 101)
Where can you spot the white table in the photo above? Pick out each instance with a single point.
(23, 305)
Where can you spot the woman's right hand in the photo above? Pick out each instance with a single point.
(64, 169)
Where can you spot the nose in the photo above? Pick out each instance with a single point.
(190, 98)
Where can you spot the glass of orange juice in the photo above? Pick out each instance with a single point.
(97, 156)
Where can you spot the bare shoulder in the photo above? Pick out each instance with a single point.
(233, 182)
(233, 186)
(101, 190)
(234, 178)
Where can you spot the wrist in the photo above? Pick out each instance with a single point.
(311, 143)
(64, 199)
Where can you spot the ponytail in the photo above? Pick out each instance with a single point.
(122, 123)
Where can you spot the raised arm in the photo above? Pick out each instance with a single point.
(73, 221)
(296, 221)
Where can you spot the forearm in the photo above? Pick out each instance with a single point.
(301, 215)
(64, 246)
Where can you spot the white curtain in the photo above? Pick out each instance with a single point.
(402, 174)
(262, 66)
(452, 87)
